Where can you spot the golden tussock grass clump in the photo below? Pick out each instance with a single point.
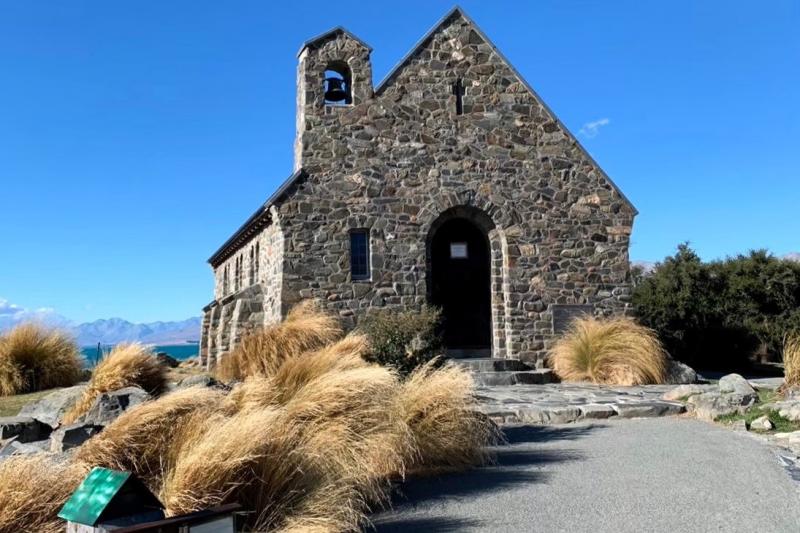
(307, 327)
(614, 351)
(146, 440)
(127, 365)
(33, 357)
(33, 489)
(791, 359)
(440, 409)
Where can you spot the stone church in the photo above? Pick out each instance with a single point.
(449, 183)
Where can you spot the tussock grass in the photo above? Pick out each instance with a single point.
(127, 365)
(615, 351)
(33, 357)
(791, 359)
(311, 441)
(261, 353)
(147, 439)
(33, 489)
(440, 409)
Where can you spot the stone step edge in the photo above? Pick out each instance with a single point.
(544, 416)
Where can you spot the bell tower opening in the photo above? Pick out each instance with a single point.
(337, 84)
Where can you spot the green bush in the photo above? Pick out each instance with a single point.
(403, 339)
(719, 314)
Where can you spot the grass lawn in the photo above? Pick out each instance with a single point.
(10, 405)
(782, 424)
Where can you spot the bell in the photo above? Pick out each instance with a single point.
(335, 90)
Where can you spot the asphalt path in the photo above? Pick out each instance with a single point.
(668, 474)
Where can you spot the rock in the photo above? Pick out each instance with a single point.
(72, 436)
(736, 384)
(200, 379)
(792, 437)
(167, 360)
(679, 373)
(762, 423)
(108, 406)
(682, 392)
(24, 428)
(50, 409)
(648, 409)
(548, 415)
(789, 409)
(597, 410)
(15, 447)
(712, 405)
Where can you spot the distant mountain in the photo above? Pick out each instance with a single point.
(114, 330)
(646, 266)
(793, 256)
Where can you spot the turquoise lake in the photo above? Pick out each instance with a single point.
(178, 351)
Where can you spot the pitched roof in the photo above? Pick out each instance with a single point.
(96, 494)
(457, 11)
(257, 220)
(333, 31)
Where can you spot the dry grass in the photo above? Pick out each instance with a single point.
(262, 352)
(440, 409)
(615, 351)
(33, 358)
(33, 489)
(146, 439)
(791, 359)
(127, 365)
(310, 442)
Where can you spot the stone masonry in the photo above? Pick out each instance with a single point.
(400, 159)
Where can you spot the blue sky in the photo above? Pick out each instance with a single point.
(136, 136)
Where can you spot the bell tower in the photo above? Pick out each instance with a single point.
(333, 73)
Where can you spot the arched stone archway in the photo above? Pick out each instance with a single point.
(464, 274)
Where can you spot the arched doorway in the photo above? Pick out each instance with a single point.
(459, 269)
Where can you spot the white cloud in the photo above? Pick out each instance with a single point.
(591, 129)
(13, 314)
(793, 256)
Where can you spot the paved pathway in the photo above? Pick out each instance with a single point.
(672, 474)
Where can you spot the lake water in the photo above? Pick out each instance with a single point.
(178, 351)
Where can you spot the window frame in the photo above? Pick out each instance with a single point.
(367, 275)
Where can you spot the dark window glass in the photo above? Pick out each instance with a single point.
(359, 254)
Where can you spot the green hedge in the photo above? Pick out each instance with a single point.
(719, 314)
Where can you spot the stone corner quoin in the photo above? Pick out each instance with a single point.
(452, 133)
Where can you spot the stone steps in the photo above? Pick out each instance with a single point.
(500, 372)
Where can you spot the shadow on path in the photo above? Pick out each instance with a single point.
(515, 464)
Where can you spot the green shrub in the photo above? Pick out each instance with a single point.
(403, 339)
(718, 314)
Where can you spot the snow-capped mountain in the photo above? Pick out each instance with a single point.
(113, 330)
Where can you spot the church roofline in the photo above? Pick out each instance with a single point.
(458, 11)
(257, 220)
(325, 35)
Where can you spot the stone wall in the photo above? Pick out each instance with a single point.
(395, 161)
(254, 302)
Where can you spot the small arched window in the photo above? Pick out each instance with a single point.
(258, 258)
(337, 84)
(251, 270)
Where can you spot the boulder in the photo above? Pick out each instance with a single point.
(712, 405)
(15, 447)
(50, 409)
(108, 406)
(736, 384)
(648, 409)
(788, 409)
(762, 423)
(167, 360)
(199, 379)
(682, 392)
(679, 373)
(72, 436)
(24, 428)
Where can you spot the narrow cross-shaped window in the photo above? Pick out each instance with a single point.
(458, 90)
